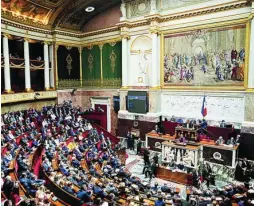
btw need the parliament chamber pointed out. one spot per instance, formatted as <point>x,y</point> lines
<point>127,102</point>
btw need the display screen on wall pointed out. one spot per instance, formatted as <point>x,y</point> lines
<point>137,102</point>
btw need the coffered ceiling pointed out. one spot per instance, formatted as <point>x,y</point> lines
<point>68,14</point>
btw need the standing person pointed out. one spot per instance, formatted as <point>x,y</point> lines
<point>146,157</point>
<point>132,141</point>
<point>139,144</point>
<point>128,137</point>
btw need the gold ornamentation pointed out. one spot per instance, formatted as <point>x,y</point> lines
<point>91,44</point>
<point>113,43</point>
<point>68,83</point>
<point>20,97</point>
<point>90,62</point>
<point>140,79</point>
<point>8,91</point>
<point>69,61</point>
<point>17,65</point>
<point>113,61</point>
<point>68,47</point>
<point>28,90</point>
<point>106,83</point>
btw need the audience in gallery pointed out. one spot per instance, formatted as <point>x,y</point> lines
<point>88,168</point>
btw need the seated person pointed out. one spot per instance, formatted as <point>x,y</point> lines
<point>68,187</point>
<point>203,124</point>
<point>173,119</point>
<point>188,124</point>
<point>223,124</point>
<point>182,139</point>
<point>237,140</point>
<point>165,188</point>
<point>157,129</point>
<point>219,141</point>
<point>231,141</point>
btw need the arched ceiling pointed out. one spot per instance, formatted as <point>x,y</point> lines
<point>67,14</point>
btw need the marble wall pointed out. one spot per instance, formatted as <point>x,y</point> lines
<point>249,107</point>
<point>220,105</point>
<point>82,98</point>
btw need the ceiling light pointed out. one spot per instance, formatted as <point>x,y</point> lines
<point>89,9</point>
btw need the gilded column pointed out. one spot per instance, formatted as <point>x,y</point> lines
<point>7,75</point>
<point>80,65</point>
<point>125,60</point>
<point>51,73</point>
<point>46,66</point>
<point>27,66</point>
<point>251,56</point>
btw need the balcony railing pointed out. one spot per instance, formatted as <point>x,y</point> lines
<point>19,63</point>
<point>92,83</point>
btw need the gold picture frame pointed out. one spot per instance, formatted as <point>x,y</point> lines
<point>242,22</point>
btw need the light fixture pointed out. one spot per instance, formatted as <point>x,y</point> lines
<point>89,9</point>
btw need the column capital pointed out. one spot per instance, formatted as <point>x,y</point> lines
<point>56,46</point>
<point>125,36</point>
<point>80,49</point>
<point>27,39</point>
<point>46,42</point>
<point>101,46</point>
<point>7,35</point>
<point>155,31</point>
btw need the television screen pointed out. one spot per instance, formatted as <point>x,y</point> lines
<point>116,100</point>
<point>137,102</point>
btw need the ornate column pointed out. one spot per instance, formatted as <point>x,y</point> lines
<point>51,72</point>
<point>251,55</point>
<point>125,60</point>
<point>101,66</point>
<point>46,66</point>
<point>7,76</point>
<point>154,74</point>
<point>56,67</point>
<point>80,65</point>
<point>27,66</point>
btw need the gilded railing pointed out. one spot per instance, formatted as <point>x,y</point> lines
<point>91,83</point>
<point>68,83</point>
<point>104,83</point>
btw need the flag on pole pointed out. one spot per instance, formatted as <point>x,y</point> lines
<point>204,107</point>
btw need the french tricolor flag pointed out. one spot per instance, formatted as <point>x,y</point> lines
<point>204,108</point>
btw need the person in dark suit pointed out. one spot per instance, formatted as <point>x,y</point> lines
<point>128,137</point>
<point>146,157</point>
<point>139,144</point>
<point>188,124</point>
<point>157,129</point>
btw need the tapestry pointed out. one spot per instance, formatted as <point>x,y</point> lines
<point>210,57</point>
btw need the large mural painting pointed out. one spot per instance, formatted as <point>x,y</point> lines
<point>205,57</point>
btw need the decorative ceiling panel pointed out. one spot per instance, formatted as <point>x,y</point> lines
<point>69,14</point>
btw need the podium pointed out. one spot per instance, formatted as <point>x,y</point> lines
<point>188,133</point>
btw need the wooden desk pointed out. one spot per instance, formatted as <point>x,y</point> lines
<point>188,133</point>
<point>166,174</point>
<point>154,141</point>
<point>219,154</point>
